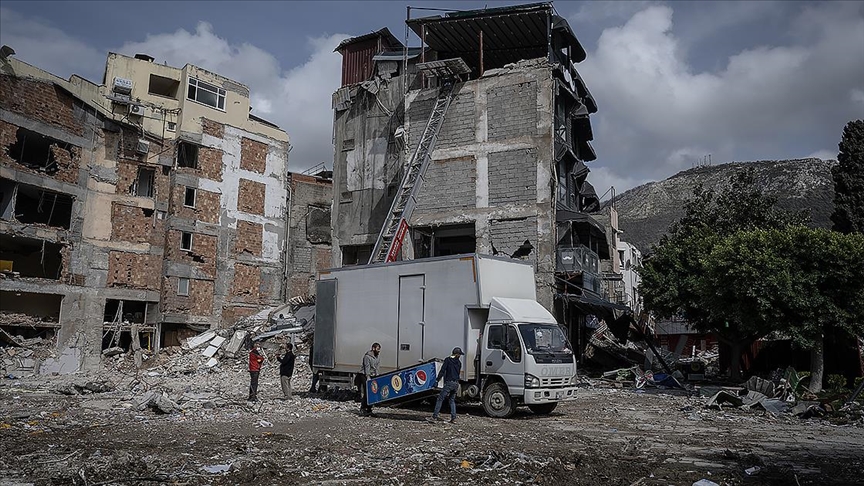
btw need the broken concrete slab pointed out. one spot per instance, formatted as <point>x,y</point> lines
<point>200,339</point>
<point>235,343</point>
<point>69,361</point>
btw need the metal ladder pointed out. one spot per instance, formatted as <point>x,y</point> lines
<point>395,226</point>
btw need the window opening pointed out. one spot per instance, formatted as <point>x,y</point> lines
<point>513,348</point>
<point>183,286</point>
<point>144,183</point>
<point>356,255</point>
<point>186,241</point>
<point>34,205</point>
<point>189,198</point>
<point>187,155</point>
<point>206,93</point>
<point>172,127</point>
<point>162,86</point>
<point>495,339</point>
<point>36,151</point>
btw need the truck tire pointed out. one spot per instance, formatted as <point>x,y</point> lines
<point>497,402</point>
<point>543,408</point>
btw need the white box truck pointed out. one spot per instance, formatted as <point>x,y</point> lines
<point>515,352</point>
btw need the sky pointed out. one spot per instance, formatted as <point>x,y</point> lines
<point>674,82</point>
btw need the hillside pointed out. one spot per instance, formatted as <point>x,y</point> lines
<point>645,212</point>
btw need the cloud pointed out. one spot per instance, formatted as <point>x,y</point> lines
<point>39,43</point>
<point>298,100</point>
<point>658,115</point>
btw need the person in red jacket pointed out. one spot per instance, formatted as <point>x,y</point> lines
<point>256,357</point>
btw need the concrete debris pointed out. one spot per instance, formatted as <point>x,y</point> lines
<point>158,401</point>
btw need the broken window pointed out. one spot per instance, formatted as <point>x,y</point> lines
<point>37,151</point>
<point>162,86</point>
<point>356,255</point>
<point>206,93</point>
<point>187,155</point>
<point>30,314</point>
<point>144,183</point>
<point>183,286</point>
<point>186,241</point>
<point>34,205</point>
<point>318,224</point>
<point>189,197</point>
<point>31,257</point>
<point>444,240</point>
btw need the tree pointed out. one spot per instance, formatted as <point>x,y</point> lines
<point>848,177</point>
<point>796,280</point>
<point>672,276</point>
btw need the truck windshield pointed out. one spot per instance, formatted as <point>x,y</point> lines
<point>544,339</point>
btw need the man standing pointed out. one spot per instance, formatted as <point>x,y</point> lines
<point>256,357</point>
<point>369,369</point>
<point>286,369</point>
<point>314,387</point>
<point>450,374</point>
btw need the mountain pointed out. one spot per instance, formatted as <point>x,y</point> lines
<point>645,212</point>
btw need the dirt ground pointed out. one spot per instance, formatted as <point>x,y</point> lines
<point>608,435</point>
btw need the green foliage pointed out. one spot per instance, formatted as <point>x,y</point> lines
<point>673,278</point>
<point>848,177</point>
<point>836,382</point>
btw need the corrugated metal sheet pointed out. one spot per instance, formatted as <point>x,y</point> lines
<point>357,61</point>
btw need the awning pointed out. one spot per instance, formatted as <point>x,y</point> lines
<point>618,317</point>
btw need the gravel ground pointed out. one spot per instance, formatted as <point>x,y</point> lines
<point>213,436</point>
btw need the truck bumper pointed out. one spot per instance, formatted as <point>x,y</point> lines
<point>546,395</point>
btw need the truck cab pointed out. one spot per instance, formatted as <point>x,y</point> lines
<point>524,359</point>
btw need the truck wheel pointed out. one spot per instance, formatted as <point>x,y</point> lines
<point>497,402</point>
<point>543,408</point>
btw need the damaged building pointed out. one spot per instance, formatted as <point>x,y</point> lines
<point>143,209</point>
<point>494,101</point>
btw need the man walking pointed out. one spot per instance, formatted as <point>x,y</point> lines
<point>256,357</point>
<point>450,374</point>
<point>286,369</point>
<point>369,369</point>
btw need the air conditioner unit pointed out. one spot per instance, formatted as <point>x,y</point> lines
<point>143,147</point>
<point>122,85</point>
<point>136,110</point>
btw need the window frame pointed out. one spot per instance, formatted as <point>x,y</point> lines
<point>168,127</point>
<point>180,281</point>
<point>196,84</point>
<point>186,197</point>
<point>183,235</point>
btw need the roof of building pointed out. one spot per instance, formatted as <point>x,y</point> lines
<point>385,33</point>
<point>510,34</point>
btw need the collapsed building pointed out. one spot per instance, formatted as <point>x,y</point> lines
<point>479,140</point>
<point>144,209</point>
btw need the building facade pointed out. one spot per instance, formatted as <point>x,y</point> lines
<point>507,175</point>
<point>153,204</point>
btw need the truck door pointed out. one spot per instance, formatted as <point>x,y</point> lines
<point>502,355</point>
<point>412,292</point>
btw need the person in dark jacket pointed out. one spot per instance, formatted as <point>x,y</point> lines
<point>286,369</point>
<point>256,357</point>
<point>314,387</point>
<point>450,374</point>
<point>369,369</point>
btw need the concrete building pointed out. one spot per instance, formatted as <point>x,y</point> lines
<point>153,203</point>
<point>508,173</point>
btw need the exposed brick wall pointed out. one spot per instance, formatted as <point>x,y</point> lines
<point>134,270</point>
<point>508,235</point>
<point>202,255</point>
<point>127,174</point>
<point>247,283</point>
<point>213,128</point>
<point>199,302</point>
<point>251,197</point>
<point>67,157</point>
<point>136,225</point>
<point>248,238</point>
<point>41,101</point>
<point>210,163</point>
<point>513,177</point>
<point>231,314</point>
<point>512,111</point>
<point>449,184</point>
<point>207,205</point>
<point>253,155</point>
<point>459,124</point>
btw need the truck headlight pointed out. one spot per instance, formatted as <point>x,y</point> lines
<point>531,381</point>
<point>573,380</point>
